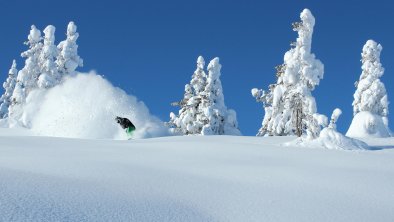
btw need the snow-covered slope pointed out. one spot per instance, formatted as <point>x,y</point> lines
<point>192,178</point>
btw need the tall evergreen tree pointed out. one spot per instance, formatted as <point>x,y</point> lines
<point>370,104</point>
<point>202,109</point>
<point>290,108</point>
<point>220,120</point>
<point>68,59</point>
<point>371,93</point>
<point>8,86</point>
<point>190,119</point>
<point>49,75</point>
<point>29,74</point>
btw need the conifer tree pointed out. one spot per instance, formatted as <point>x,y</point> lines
<point>49,75</point>
<point>371,93</point>
<point>9,86</point>
<point>370,104</point>
<point>29,74</point>
<point>202,110</point>
<point>290,108</point>
<point>27,77</point>
<point>220,120</point>
<point>190,119</point>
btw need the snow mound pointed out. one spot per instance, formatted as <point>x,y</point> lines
<point>330,139</point>
<point>85,106</point>
<point>365,124</point>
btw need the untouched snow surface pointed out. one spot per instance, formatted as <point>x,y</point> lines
<point>191,178</point>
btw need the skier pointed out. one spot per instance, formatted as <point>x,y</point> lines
<point>127,125</point>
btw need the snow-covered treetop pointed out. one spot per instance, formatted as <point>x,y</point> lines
<point>13,71</point>
<point>34,42</point>
<point>371,59</point>
<point>71,28</point>
<point>214,68</point>
<point>34,35</point>
<point>68,59</point>
<point>30,72</point>
<point>306,31</point>
<point>200,63</point>
<point>49,49</point>
<point>300,65</point>
<point>49,33</point>
<point>334,118</point>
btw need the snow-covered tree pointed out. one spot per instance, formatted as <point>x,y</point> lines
<point>49,75</point>
<point>8,86</point>
<point>68,59</point>
<point>371,94</point>
<point>290,108</point>
<point>220,120</point>
<point>190,119</point>
<point>370,105</point>
<point>202,109</point>
<point>28,75</point>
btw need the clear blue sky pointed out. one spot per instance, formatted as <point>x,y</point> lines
<point>149,48</point>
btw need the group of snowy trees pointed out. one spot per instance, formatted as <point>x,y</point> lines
<point>45,66</point>
<point>202,109</point>
<point>290,108</point>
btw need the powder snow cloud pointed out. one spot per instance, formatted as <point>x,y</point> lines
<point>84,106</point>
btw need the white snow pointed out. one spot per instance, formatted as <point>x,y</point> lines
<point>192,178</point>
<point>365,124</point>
<point>85,106</point>
<point>331,139</point>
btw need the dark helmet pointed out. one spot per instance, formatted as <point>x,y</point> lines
<point>118,119</point>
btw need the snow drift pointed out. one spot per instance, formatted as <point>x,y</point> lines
<point>330,139</point>
<point>366,124</point>
<point>85,106</point>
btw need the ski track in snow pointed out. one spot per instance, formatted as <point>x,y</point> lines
<point>191,178</point>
